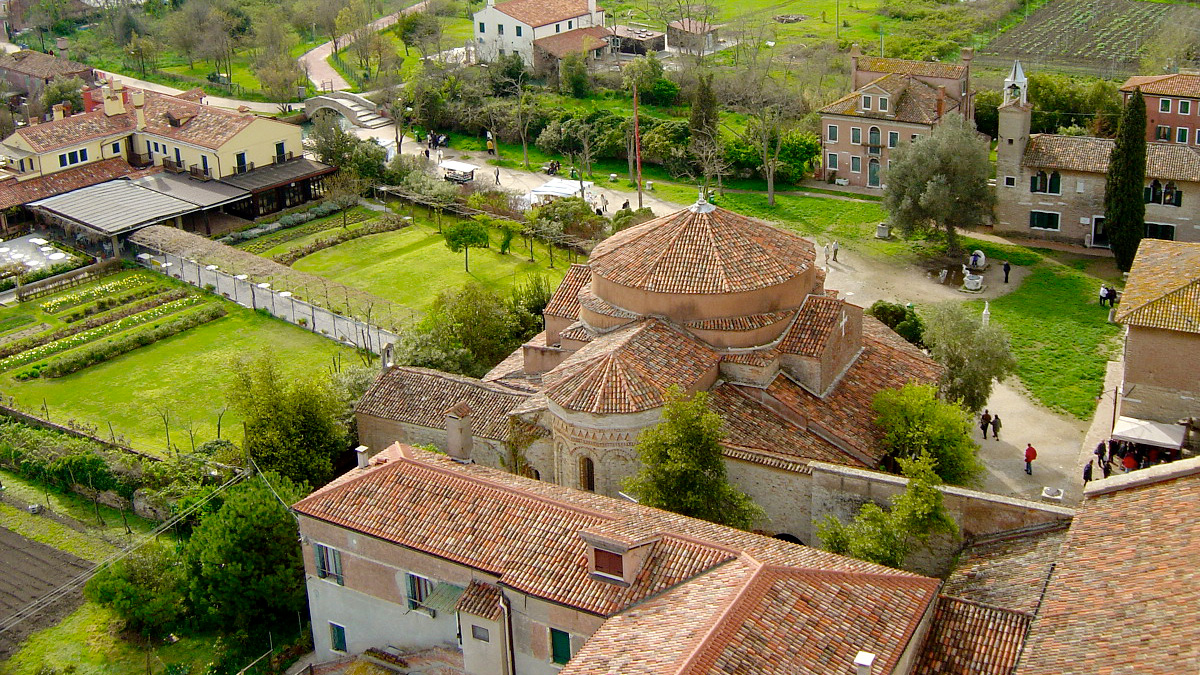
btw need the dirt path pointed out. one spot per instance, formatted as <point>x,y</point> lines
<point>324,76</point>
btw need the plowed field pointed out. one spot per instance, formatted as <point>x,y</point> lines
<point>29,570</point>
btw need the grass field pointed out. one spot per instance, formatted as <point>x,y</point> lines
<point>411,266</point>
<point>185,375</point>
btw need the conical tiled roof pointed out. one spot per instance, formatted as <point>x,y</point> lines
<point>702,249</point>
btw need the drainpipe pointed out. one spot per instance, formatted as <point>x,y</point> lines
<point>512,657</point>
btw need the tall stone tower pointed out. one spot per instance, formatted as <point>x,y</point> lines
<point>1014,121</point>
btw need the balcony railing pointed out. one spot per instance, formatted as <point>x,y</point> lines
<point>280,159</point>
<point>243,168</point>
<point>140,159</point>
<point>173,166</point>
<point>200,172</point>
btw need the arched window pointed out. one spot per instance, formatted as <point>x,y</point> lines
<point>1172,196</point>
<point>587,474</point>
<point>1055,186</point>
<point>1039,182</point>
<point>1154,192</point>
<point>873,142</point>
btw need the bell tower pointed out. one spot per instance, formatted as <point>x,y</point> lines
<point>1014,121</point>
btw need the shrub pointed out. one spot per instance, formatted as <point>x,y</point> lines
<point>104,304</point>
<point>901,318</point>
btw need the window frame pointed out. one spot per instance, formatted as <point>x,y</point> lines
<point>1164,105</point>
<point>1057,220</point>
<point>328,561</point>
<point>1185,107</point>
<point>116,148</point>
<point>831,162</point>
<point>587,474</point>
<point>855,135</point>
<point>882,104</point>
<point>893,139</point>
<point>831,133</point>
<point>613,566</point>
<point>499,29</point>
<point>1160,228</point>
<point>1182,134</point>
<point>855,160</point>
<point>417,592</point>
<point>1010,181</point>
<point>866,101</point>
<point>1162,132</point>
<point>477,631</point>
<point>557,637</point>
<point>519,31</point>
<point>336,630</point>
<point>482,28</point>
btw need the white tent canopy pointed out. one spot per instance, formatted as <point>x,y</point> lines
<point>560,187</point>
<point>455,165</point>
<point>1149,433</point>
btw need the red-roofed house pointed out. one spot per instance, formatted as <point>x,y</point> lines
<point>703,299</point>
<point>1172,105</point>
<point>1052,187</point>
<point>512,27</point>
<point>415,550</point>
<point>894,101</point>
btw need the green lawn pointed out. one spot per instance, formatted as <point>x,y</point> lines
<point>186,375</point>
<point>411,266</point>
<point>89,641</point>
<point>78,507</point>
<point>54,534</point>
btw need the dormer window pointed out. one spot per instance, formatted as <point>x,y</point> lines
<point>866,102</point>
<point>883,104</point>
<point>610,564</point>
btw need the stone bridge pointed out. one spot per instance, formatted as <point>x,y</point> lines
<point>359,110</point>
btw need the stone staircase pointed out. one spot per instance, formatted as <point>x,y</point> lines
<point>366,118</point>
<point>360,111</point>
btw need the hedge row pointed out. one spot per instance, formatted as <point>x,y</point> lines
<point>44,273</point>
<point>387,223</point>
<point>93,292</point>
<point>290,220</point>
<point>264,244</point>
<point>82,358</point>
<point>59,459</point>
<point>85,325</point>
<point>105,304</point>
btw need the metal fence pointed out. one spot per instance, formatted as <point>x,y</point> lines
<point>277,302</point>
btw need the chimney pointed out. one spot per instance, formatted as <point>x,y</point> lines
<point>863,663</point>
<point>364,459</point>
<point>138,98</point>
<point>113,102</point>
<point>60,47</point>
<point>459,439</point>
<point>855,53</point>
<point>591,9</point>
<point>60,110</point>
<point>941,101</point>
<point>968,98</point>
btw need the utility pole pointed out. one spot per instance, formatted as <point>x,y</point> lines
<point>637,142</point>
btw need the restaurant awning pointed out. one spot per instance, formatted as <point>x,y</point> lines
<point>1149,433</point>
<point>561,187</point>
<point>455,165</point>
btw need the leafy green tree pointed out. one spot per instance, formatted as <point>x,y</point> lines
<point>887,537</point>
<point>465,235</point>
<point>64,90</point>
<point>915,422</point>
<point>572,216</point>
<point>940,182</point>
<point>328,141</point>
<point>705,115</point>
<point>467,331</point>
<point>146,589</point>
<point>901,318</point>
<point>573,75</point>
<point>683,465</point>
<point>244,564</point>
<point>973,355</point>
<point>506,73</point>
<point>291,425</point>
<point>1124,203</point>
<point>987,112</point>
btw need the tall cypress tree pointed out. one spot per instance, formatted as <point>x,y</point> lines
<point>703,121</point>
<point>1124,205</point>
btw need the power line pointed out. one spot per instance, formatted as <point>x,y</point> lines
<point>37,606</point>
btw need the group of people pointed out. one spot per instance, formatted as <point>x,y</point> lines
<point>1128,456</point>
<point>553,167</point>
<point>831,248</point>
<point>989,421</point>
<point>1108,295</point>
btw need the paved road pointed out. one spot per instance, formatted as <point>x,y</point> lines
<point>314,62</point>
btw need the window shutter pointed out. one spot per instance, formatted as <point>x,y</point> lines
<point>1146,194</point>
<point>1055,183</point>
<point>322,568</point>
<point>1033,183</point>
<point>1178,198</point>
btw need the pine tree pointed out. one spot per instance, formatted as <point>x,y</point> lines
<point>1124,205</point>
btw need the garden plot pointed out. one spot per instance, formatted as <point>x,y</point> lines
<point>33,569</point>
<point>1100,36</point>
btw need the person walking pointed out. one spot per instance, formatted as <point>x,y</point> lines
<point>985,421</point>
<point>491,147</point>
<point>604,203</point>
<point>1030,455</point>
<point>835,250</point>
<point>1103,295</point>
<point>995,427</point>
<point>1099,452</point>
<point>827,252</point>
<point>497,175</point>
<point>1087,473</point>
<point>440,156</point>
<point>1007,269</point>
<point>1106,468</point>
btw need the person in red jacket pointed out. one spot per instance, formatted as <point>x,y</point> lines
<point>1129,462</point>
<point>1030,455</point>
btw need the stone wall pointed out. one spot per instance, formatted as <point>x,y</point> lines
<point>840,491</point>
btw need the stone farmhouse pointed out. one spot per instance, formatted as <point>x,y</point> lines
<point>1161,313</point>
<point>28,72</point>
<point>213,162</point>
<point>541,31</point>
<point>894,101</point>
<point>704,299</point>
<point>1117,591</point>
<point>414,550</point>
<point>1052,187</point>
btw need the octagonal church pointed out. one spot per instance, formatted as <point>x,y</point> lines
<point>704,299</point>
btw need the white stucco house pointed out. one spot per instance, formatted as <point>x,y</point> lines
<point>516,26</point>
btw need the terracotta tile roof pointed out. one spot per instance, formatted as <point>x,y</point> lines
<point>15,193</point>
<point>481,600</point>
<point>577,331</point>
<point>887,361</point>
<point>1163,290</point>
<point>969,638</point>
<point>42,66</point>
<point>528,534</point>
<point>766,436</point>
<point>573,41</point>
<point>875,64</point>
<point>1168,161</point>
<point>912,101</point>
<point>75,130</point>
<point>1125,594</point>
<point>742,323</point>
<point>541,12</point>
<point>511,371</point>
<point>565,301</point>
<point>592,302</point>
<point>629,369</point>
<point>420,396</point>
<point>1174,84</point>
<point>817,318</point>
<point>752,358</point>
<point>698,251</point>
<point>1008,569</point>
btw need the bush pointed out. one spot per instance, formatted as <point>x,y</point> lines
<point>105,304</point>
<point>386,223</point>
<point>901,318</point>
